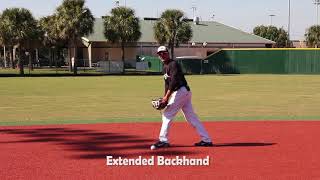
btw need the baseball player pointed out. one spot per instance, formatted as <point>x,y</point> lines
<point>177,96</point>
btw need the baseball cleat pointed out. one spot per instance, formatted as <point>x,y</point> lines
<point>159,144</point>
<point>204,144</point>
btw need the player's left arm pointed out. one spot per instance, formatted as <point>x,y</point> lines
<point>167,96</point>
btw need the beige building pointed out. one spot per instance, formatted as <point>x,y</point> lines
<point>299,44</point>
<point>208,37</point>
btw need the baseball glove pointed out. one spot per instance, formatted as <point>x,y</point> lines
<point>158,104</point>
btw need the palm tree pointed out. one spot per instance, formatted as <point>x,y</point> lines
<point>49,33</point>
<point>20,28</point>
<point>49,30</point>
<point>172,30</point>
<point>313,36</point>
<point>122,27</point>
<point>74,21</point>
<point>50,38</point>
<point>32,42</point>
<point>5,38</point>
<point>2,33</point>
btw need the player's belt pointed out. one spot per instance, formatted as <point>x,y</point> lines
<point>187,87</point>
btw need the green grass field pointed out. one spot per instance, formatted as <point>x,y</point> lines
<point>45,71</point>
<point>56,100</point>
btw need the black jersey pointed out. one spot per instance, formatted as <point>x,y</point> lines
<point>173,76</point>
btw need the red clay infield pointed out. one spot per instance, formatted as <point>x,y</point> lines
<point>243,150</point>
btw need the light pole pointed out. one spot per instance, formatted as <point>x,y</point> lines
<point>271,16</point>
<point>289,23</point>
<point>194,8</point>
<point>317,3</point>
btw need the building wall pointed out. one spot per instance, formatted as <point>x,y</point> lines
<point>104,54</point>
<point>114,54</point>
<point>299,44</point>
<point>102,51</point>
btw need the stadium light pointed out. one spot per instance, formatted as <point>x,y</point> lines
<point>117,3</point>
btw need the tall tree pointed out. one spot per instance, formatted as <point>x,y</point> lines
<point>51,39</point>
<point>20,28</point>
<point>74,21</point>
<point>172,30</point>
<point>313,36</point>
<point>122,27</point>
<point>6,38</point>
<point>3,36</point>
<point>278,35</point>
<point>33,41</point>
<point>48,26</point>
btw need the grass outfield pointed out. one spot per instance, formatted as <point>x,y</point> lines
<point>62,100</point>
<point>46,71</point>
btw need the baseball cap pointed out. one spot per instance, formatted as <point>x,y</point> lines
<point>162,49</point>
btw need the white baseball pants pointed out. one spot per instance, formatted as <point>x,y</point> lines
<point>181,99</point>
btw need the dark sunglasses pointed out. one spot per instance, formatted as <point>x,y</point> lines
<point>162,52</point>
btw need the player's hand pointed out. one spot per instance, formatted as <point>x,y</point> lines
<point>158,104</point>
